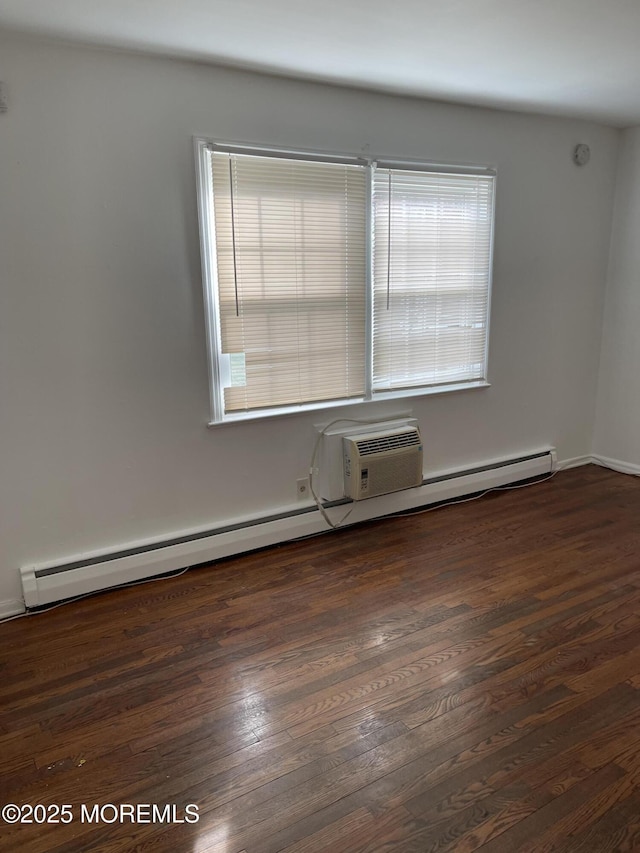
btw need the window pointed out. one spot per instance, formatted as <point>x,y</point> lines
<point>335,280</point>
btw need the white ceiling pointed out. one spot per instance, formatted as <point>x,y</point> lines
<point>571,57</point>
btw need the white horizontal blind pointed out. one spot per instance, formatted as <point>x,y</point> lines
<point>431,277</point>
<point>291,278</point>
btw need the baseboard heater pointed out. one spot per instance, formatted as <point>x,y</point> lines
<point>51,582</point>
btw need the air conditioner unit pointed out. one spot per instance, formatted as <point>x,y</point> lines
<point>376,463</point>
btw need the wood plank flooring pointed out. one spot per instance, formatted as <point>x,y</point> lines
<point>465,679</point>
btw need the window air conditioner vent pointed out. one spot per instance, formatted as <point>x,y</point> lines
<point>394,441</point>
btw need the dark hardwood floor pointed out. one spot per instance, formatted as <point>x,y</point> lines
<point>465,679</point>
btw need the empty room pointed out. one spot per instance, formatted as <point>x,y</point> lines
<point>319,427</point>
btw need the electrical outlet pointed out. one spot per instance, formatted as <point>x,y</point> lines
<point>302,487</point>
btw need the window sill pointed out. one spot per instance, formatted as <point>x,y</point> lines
<point>244,417</point>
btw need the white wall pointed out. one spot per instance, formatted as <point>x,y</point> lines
<point>617,433</point>
<point>103,379</point>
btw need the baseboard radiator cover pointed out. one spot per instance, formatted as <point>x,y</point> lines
<point>46,583</point>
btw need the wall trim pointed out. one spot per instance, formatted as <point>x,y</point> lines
<point>616,465</point>
<point>574,462</point>
<point>11,607</point>
<point>602,461</point>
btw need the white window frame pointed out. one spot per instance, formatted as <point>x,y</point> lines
<point>203,146</point>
